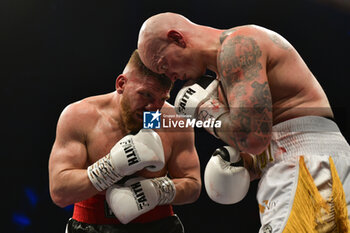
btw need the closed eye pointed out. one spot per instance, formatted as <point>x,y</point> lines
<point>162,65</point>
<point>145,94</point>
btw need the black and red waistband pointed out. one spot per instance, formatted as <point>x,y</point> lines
<point>95,211</point>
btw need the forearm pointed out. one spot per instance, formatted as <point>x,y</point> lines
<point>187,190</point>
<point>243,131</point>
<point>71,186</point>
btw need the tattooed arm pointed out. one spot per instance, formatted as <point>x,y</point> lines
<point>242,70</point>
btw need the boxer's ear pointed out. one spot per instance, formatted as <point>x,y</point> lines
<point>120,83</point>
<point>177,38</point>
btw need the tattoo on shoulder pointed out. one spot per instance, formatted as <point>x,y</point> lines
<point>239,58</point>
<point>226,33</point>
<point>280,42</point>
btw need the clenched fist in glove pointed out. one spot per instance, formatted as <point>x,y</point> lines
<point>129,155</point>
<point>138,196</point>
<point>224,182</point>
<point>200,101</point>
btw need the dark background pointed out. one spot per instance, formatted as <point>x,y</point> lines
<point>55,52</point>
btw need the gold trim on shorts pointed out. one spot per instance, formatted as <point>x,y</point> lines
<point>310,212</point>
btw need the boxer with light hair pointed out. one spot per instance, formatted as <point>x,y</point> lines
<point>273,113</point>
<point>119,176</point>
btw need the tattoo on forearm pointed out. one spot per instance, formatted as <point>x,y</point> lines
<point>256,120</point>
<point>263,106</point>
<point>261,96</point>
<point>280,42</point>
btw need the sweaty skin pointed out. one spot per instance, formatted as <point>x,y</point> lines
<point>264,79</point>
<point>266,82</point>
<point>88,129</point>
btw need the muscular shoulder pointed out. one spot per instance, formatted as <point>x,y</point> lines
<point>244,40</point>
<point>241,54</point>
<point>80,110</point>
<point>254,34</point>
<point>248,47</point>
<point>246,30</point>
<point>260,34</point>
<point>77,117</point>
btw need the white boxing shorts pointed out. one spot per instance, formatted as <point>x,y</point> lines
<point>305,180</point>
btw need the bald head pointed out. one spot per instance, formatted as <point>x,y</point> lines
<point>157,32</point>
<point>171,44</point>
<point>157,26</point>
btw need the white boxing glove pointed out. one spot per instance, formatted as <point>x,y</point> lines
<point>225,183</point>
<point>129,155</point>
<point>199,101</point>
<point>139,196</point>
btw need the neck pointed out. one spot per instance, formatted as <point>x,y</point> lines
<point>209,45</point>
<point>115,111</point>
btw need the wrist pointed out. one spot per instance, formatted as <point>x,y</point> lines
<point>102,173</point>
<point>212,110</point>
<point>165,188</point>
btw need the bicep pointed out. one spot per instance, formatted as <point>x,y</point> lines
<point>69,150</point>
<point>67,156</point>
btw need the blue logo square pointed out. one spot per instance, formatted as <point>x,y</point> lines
<point>151,120</point>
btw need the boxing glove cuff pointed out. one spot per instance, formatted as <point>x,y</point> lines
<point>102,173</point>
<point>166,190</point>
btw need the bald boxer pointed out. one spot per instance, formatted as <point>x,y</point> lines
<point>269,104</point>
<point>120,177</point>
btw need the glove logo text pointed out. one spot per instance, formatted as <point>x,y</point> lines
<point>130,152</point>
<point>185,97</point>
<point>139,196</point>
